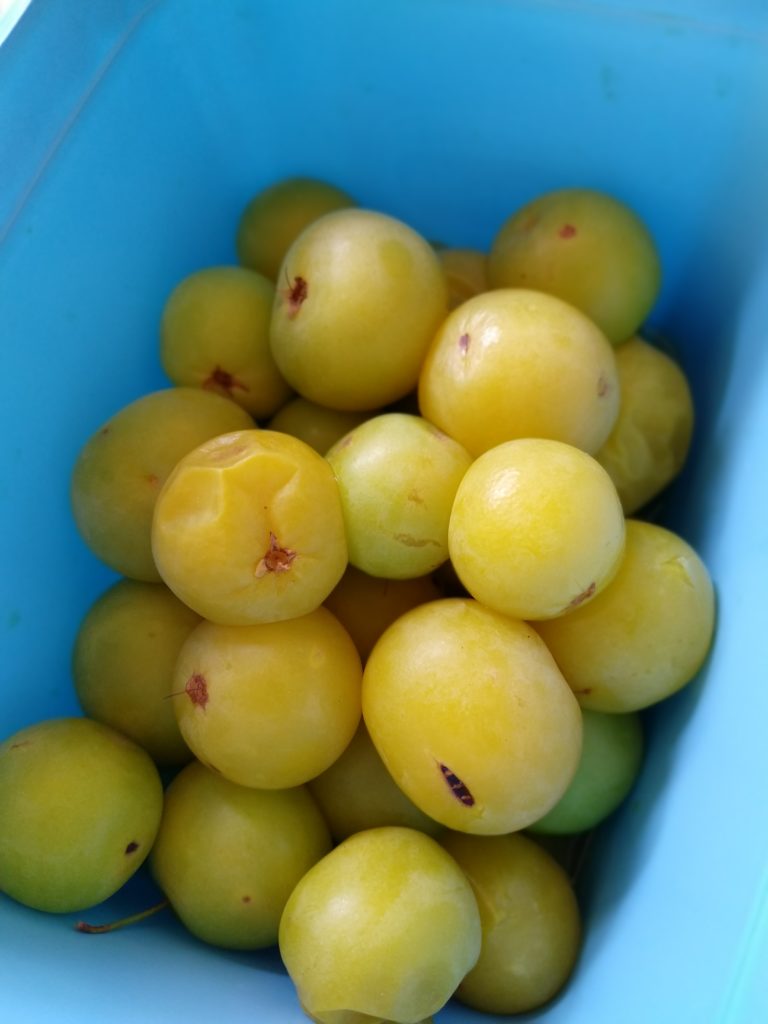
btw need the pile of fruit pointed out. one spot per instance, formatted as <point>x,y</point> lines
<point>388,613</point>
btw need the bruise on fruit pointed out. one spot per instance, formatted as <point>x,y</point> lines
<point>197,690</point>
<point>464,341</point>
<point>583,596</point>
<point>567,231</point>
<point>456,786</point>
<point>132,847</point>
<point>277,559</point>
<point>413,495</point>
<point>603,387</point>
<point>221,378</point>
<point>295,294</point>
<point>415,542</point>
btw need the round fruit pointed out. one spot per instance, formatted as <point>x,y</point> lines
<point>80,806</point>
<point>359,298</point>
<point>536,529</point>
<point>314,424</point>
<point>121,468</point>
<point>471,716</point>
<point>384,926</point>
<point>466,273</point>
<point>516,363</point>
<point>249,528</point>
<point>587,248</point>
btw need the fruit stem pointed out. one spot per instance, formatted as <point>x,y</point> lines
<point>112,926</point>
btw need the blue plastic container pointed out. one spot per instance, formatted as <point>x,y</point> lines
<point>131,136</point>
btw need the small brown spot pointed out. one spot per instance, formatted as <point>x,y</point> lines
<point>152,479</point>
<point>583,693</point>
<point>132,847</point>
<point>413,495</point>
<point>583,596</point>
<point>456,786</point>
<point>104,430</point>
<point>464,344</point>
<point>277,559</point>
<point>21,743</point>
<point>295,295</point>
<point>603,387</point>
<point>197,690</point>
<point>567,231</point>
<point>246,899</point>
<point>224,380</point>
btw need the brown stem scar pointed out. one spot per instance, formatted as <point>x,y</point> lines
<point>295,294</point>
<point>277,559</point>
<point>567,231</point>
<point>221,378</point>
<point>456,786</point>
<point>583,596</point>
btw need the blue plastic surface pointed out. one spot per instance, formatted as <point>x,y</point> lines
<point>131,136</point>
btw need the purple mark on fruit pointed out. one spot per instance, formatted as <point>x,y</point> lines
<point>583,596</point>
<point>295,295</point>
<point>464,344</point>
<point>567,231</point>
<point>277,559</point>
<point>221,378</point>
<point>132,847</point>
<point>197,690</point>
<point>456,786</point>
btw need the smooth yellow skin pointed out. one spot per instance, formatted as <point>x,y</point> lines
<point>277,215</point>
<point>455,684</point>
<point>123,661</point>
<point>518,363</point>
<point>122,467</point>
<point>228,857</point>
<point>314,424</point>
<point>375,295</point>
<point>214,333</point>
<point>397,477</point>
<point>536,529</point>
<point>647,634</point>
<point>281,700</point>
<point>75,796</point>
<point>586,247</point>
<point>650,440</point>
<point>466,274</point>
<point>357,792</point>
<point>385,925</point>
<point>249,528</point>
<point>365,605</point>
<point>530,919</point>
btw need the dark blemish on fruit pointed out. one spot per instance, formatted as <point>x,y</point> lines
<point>132,847</point>
<point>223,379</point>
<point>583,693</point>
<point>464,344</point>
<point>567,231</point>
<point>21,743</point>
<point>413,495</point>
<point>104,430</point>
<point>583,596</point>
<point>603,386</point>
<point>295,295</point>
<point>197,690</point>
<point>415,542</point>
<point>277,559</point>
<point>456,786</point>
<point>152,479</point>
<point>246,899</point>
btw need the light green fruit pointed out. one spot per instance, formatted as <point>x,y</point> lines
<point>228,857</point>
<point>80,806</point>
<point>586,247</point>
<point>123,660</point>
<point>611,756</point>
<point>214,334</point>
<point>359,298</point>
<point>471,716</point>
<point>397,477</point>
<point>278,214</point>
<point>530,921</point>
<point>385,926</point>
<point>647,634</point>
<point>536,529</point>
<point>317,426</point>
<point>357,792</point>
<point>649,443</point>
<point>122,467</point>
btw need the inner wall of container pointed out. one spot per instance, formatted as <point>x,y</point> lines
<point>449,115</point>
